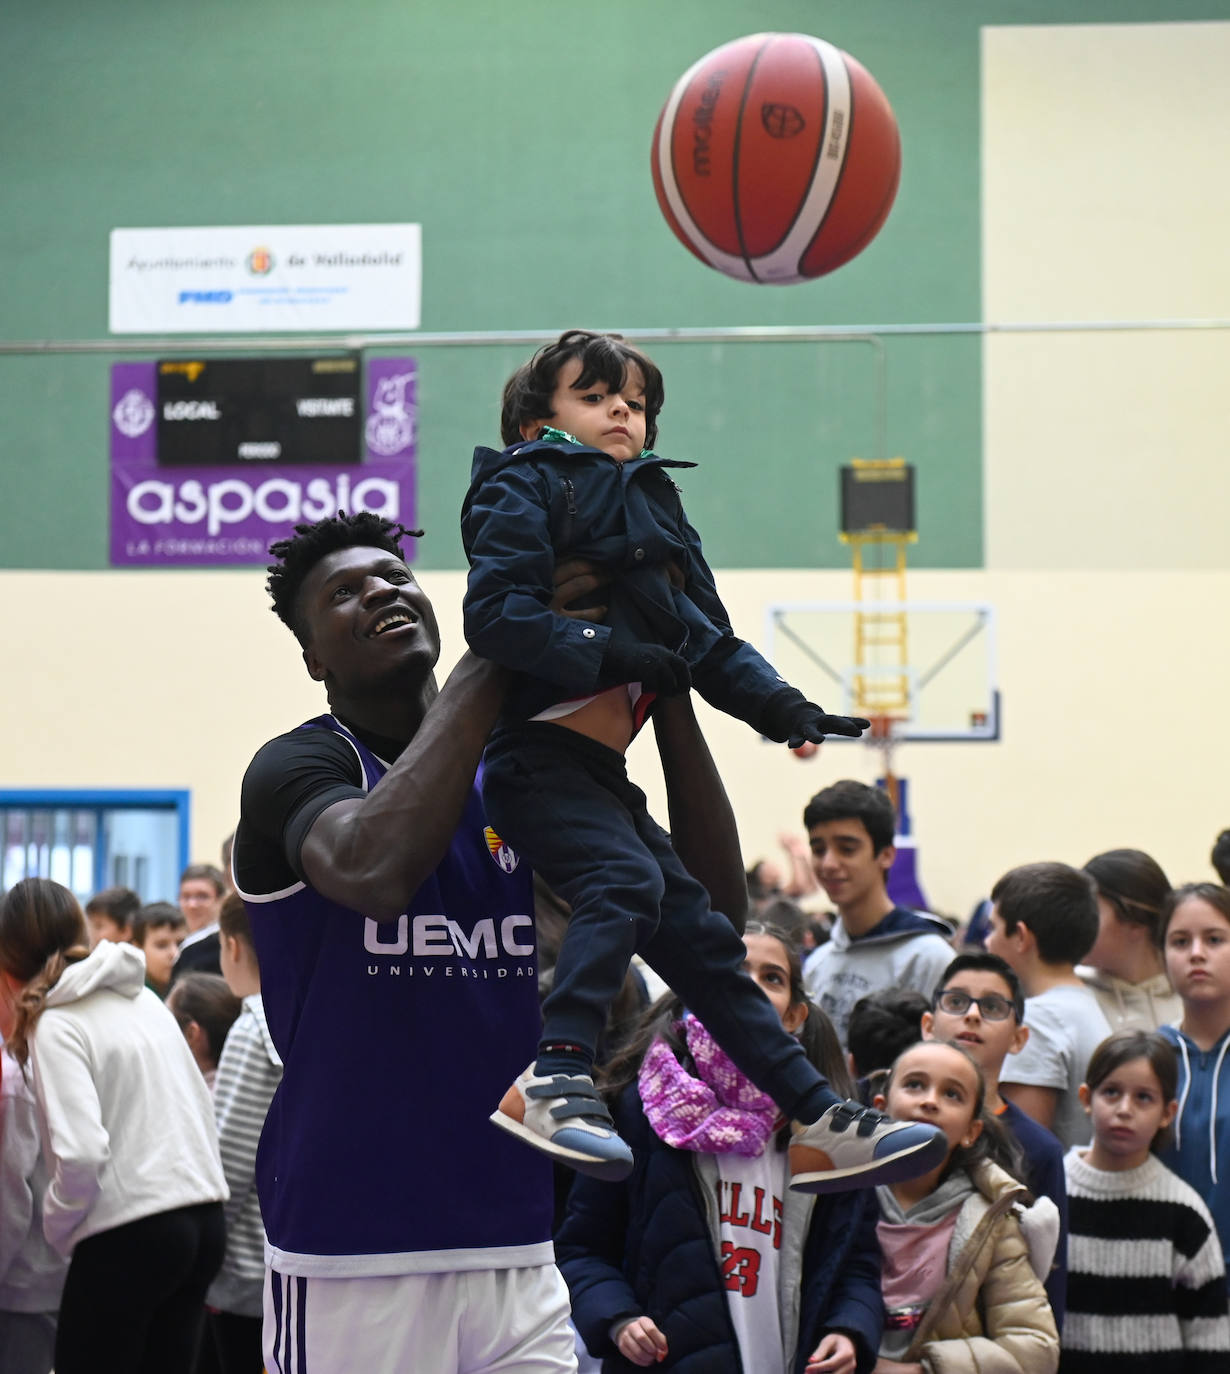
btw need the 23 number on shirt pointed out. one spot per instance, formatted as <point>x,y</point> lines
<point>740,1269</point>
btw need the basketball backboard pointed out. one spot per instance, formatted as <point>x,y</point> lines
<point>929,664</point>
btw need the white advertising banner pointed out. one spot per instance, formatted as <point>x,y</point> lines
<point>313,278</point>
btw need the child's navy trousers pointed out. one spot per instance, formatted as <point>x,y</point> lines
<point>565,804</point>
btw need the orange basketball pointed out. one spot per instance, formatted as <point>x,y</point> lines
<point>776,158</point>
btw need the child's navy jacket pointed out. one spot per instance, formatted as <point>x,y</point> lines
<point>538,502</point>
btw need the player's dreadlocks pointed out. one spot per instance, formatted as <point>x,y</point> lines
<point>299,555</point>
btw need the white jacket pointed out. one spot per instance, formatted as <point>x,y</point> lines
<point>129,1126</point>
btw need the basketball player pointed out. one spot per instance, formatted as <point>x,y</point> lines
<point>578,480</point>
<point>398,970</point>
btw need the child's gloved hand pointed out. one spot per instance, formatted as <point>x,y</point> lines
<point>798,722</point>
<point>655,668</point>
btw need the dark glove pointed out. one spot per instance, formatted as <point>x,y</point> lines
<point>798,722</point>
<point>655,668</point>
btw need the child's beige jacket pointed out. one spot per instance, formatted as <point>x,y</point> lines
<point>991,1316</point>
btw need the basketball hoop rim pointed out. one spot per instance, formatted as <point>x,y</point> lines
<point>882,733</point>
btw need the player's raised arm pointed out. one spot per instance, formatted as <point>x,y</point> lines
<point>702,820</point>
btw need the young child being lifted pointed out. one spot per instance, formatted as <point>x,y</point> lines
<point>579,479</point>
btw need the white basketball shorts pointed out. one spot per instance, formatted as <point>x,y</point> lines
<point>480,1321</point>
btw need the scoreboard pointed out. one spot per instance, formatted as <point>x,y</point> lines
<point>234,412</point>
<point>877,496</point>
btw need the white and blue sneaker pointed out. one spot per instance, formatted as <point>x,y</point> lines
<point>564,1117</point>
<point>853,1146</point>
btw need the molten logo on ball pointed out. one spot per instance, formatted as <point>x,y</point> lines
<point>781,121</point>
<point>702,123</point>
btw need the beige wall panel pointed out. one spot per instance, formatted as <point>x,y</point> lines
<point>147,679</point>
<point>1103,199</point>
<point>1104,193</point>
<point>1107,450</point>
<point>1112,682</point>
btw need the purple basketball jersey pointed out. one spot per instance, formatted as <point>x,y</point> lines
<point>398,1041</point>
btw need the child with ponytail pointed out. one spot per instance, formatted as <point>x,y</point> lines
<point>963,1247</point>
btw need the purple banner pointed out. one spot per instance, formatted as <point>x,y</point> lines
<point>229,515</point>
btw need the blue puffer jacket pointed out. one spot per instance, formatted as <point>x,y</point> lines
<point>539,502</point>
<point>645,1247</point>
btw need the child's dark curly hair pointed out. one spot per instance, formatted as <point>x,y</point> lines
<point>530,391</point>
<point>297,556</point>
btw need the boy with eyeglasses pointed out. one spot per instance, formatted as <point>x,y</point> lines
<point>979,1004</point>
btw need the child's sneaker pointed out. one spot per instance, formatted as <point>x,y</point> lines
<point>853,1146</point>
<point>564,1117</point>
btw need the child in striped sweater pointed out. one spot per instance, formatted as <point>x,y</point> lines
<point>249,1072</point>
<point>1146,1284</point>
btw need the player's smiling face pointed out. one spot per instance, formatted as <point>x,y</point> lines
<point>610,420</point>
<point>365,619</point>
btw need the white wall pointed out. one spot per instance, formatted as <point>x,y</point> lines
<point>1104,199</point>
<point>1112,682</point>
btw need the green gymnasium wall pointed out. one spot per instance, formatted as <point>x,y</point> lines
<point>517,134</point>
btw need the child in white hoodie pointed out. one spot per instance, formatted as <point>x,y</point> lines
<point>136,1185</point>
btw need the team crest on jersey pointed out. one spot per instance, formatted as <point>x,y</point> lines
<point>500,852</point>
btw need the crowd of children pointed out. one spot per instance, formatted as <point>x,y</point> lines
<point>1080,1215</point>
<point>130,1233</point>
<point>134,1192</point>
<point>1077,1220</point>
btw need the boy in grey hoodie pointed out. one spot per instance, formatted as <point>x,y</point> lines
<point>874,944</point>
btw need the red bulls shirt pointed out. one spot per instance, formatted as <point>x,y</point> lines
<point>750,1195</point>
